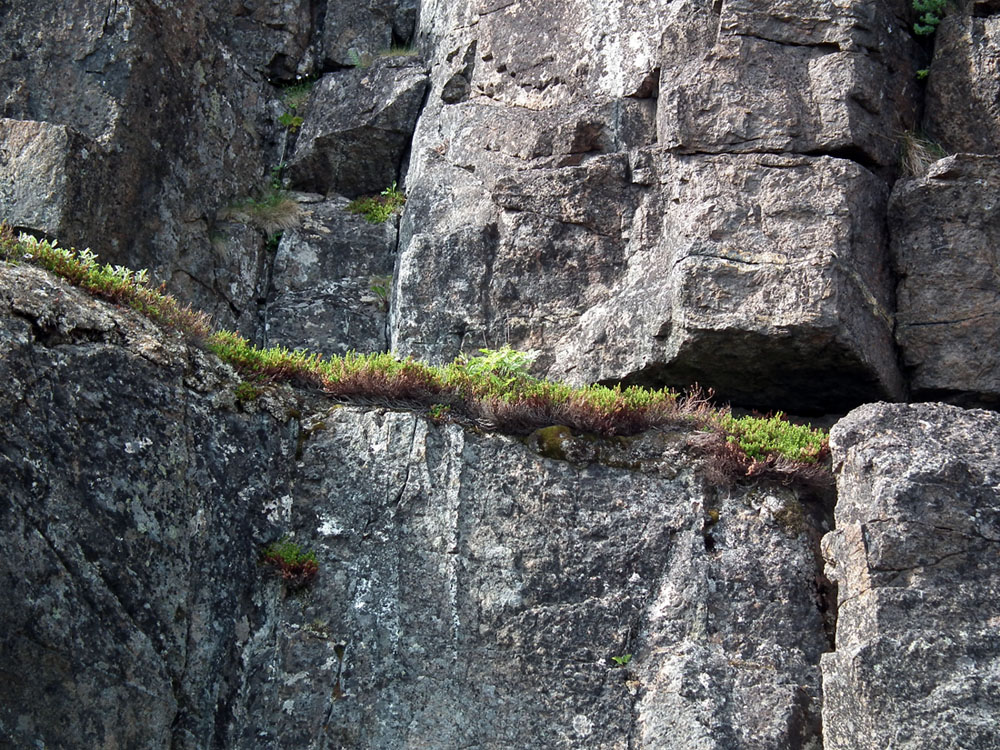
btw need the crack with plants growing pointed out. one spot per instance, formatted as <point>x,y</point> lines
<point>493,390</point>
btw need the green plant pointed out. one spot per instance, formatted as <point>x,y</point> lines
<point>492,390</point>
<point>246,391</point>
<point>501,367</point>
<point>290,121</point>
<point>295,96</point>
<point>297,567</point>
<point>379,208</point>
<point>439,412</point>
<point>381,287</point>
<point>359,59</point>
<point>114,283</point>
<point>622,660</point>
<point>930,14</point>
<point>923,73</point>
<point>761,438</point>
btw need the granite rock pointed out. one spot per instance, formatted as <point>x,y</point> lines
<point>914,555</point>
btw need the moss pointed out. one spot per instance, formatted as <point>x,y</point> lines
<point>791,517</point>
<point>551,441</point>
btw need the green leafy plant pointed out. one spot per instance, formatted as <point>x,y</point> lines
<point>379,208</point>
<point>297,567</point>
<point>923,73</point>
<point>291,121</point>
<point>622,660</point>
<point>381,287</point>
<point>930,14</point>
<point>501,367</point>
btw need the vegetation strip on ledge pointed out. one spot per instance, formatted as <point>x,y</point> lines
<point>494,389</point>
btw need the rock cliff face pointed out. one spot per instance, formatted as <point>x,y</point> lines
<point>652,192</point>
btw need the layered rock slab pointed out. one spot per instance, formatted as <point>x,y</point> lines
<point>945,240</point>
<point>915,559</point>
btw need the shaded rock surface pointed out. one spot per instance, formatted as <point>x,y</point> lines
<point>945,244</point>
<point>331,282</point>
<point>915,559</point>
<point>471,591</point>
<point>352,150</point>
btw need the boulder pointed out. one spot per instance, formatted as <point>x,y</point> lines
<point>945,241</point>
<point>800,78</point>
<point>347,33</point>
<point>331,282</point>
<point>764,277</point>
<point>914,555</point>
<point>358,127</point>
<point>962,111</point>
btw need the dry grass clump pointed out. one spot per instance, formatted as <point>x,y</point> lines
<point>273,212</point>
<point>917,153</point>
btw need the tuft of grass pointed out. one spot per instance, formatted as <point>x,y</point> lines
<point>294,97</point>
<point>379,208</point>
<point>399,50</point>
<point>297,567</point>
<point>274,211</point>
<point>493,389</point>
<point>917,153</point>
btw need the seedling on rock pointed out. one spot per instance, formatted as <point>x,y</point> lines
<point>297,567</point>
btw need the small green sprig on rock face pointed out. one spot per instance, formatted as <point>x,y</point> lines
<point>298,567</point>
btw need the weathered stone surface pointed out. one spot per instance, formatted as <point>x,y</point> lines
<point>180,116</point>
<point>764,277</point>
<point>350,149</point>
<point>353,32</point>
<point>471,591</point>
<point>331,282</point>
<point>134,506</point>
<point>553,207</point>
<point>963,107</point>
<point>945,245</point>
<point>799,78</point>
<point>915,558</point>
<point>48,177</point>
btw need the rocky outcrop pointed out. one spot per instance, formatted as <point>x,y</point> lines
<point>945,240</point>
<point>915,559</point>
<point>352,150</point>
<point>472,591</point>
<point>636,256</point>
